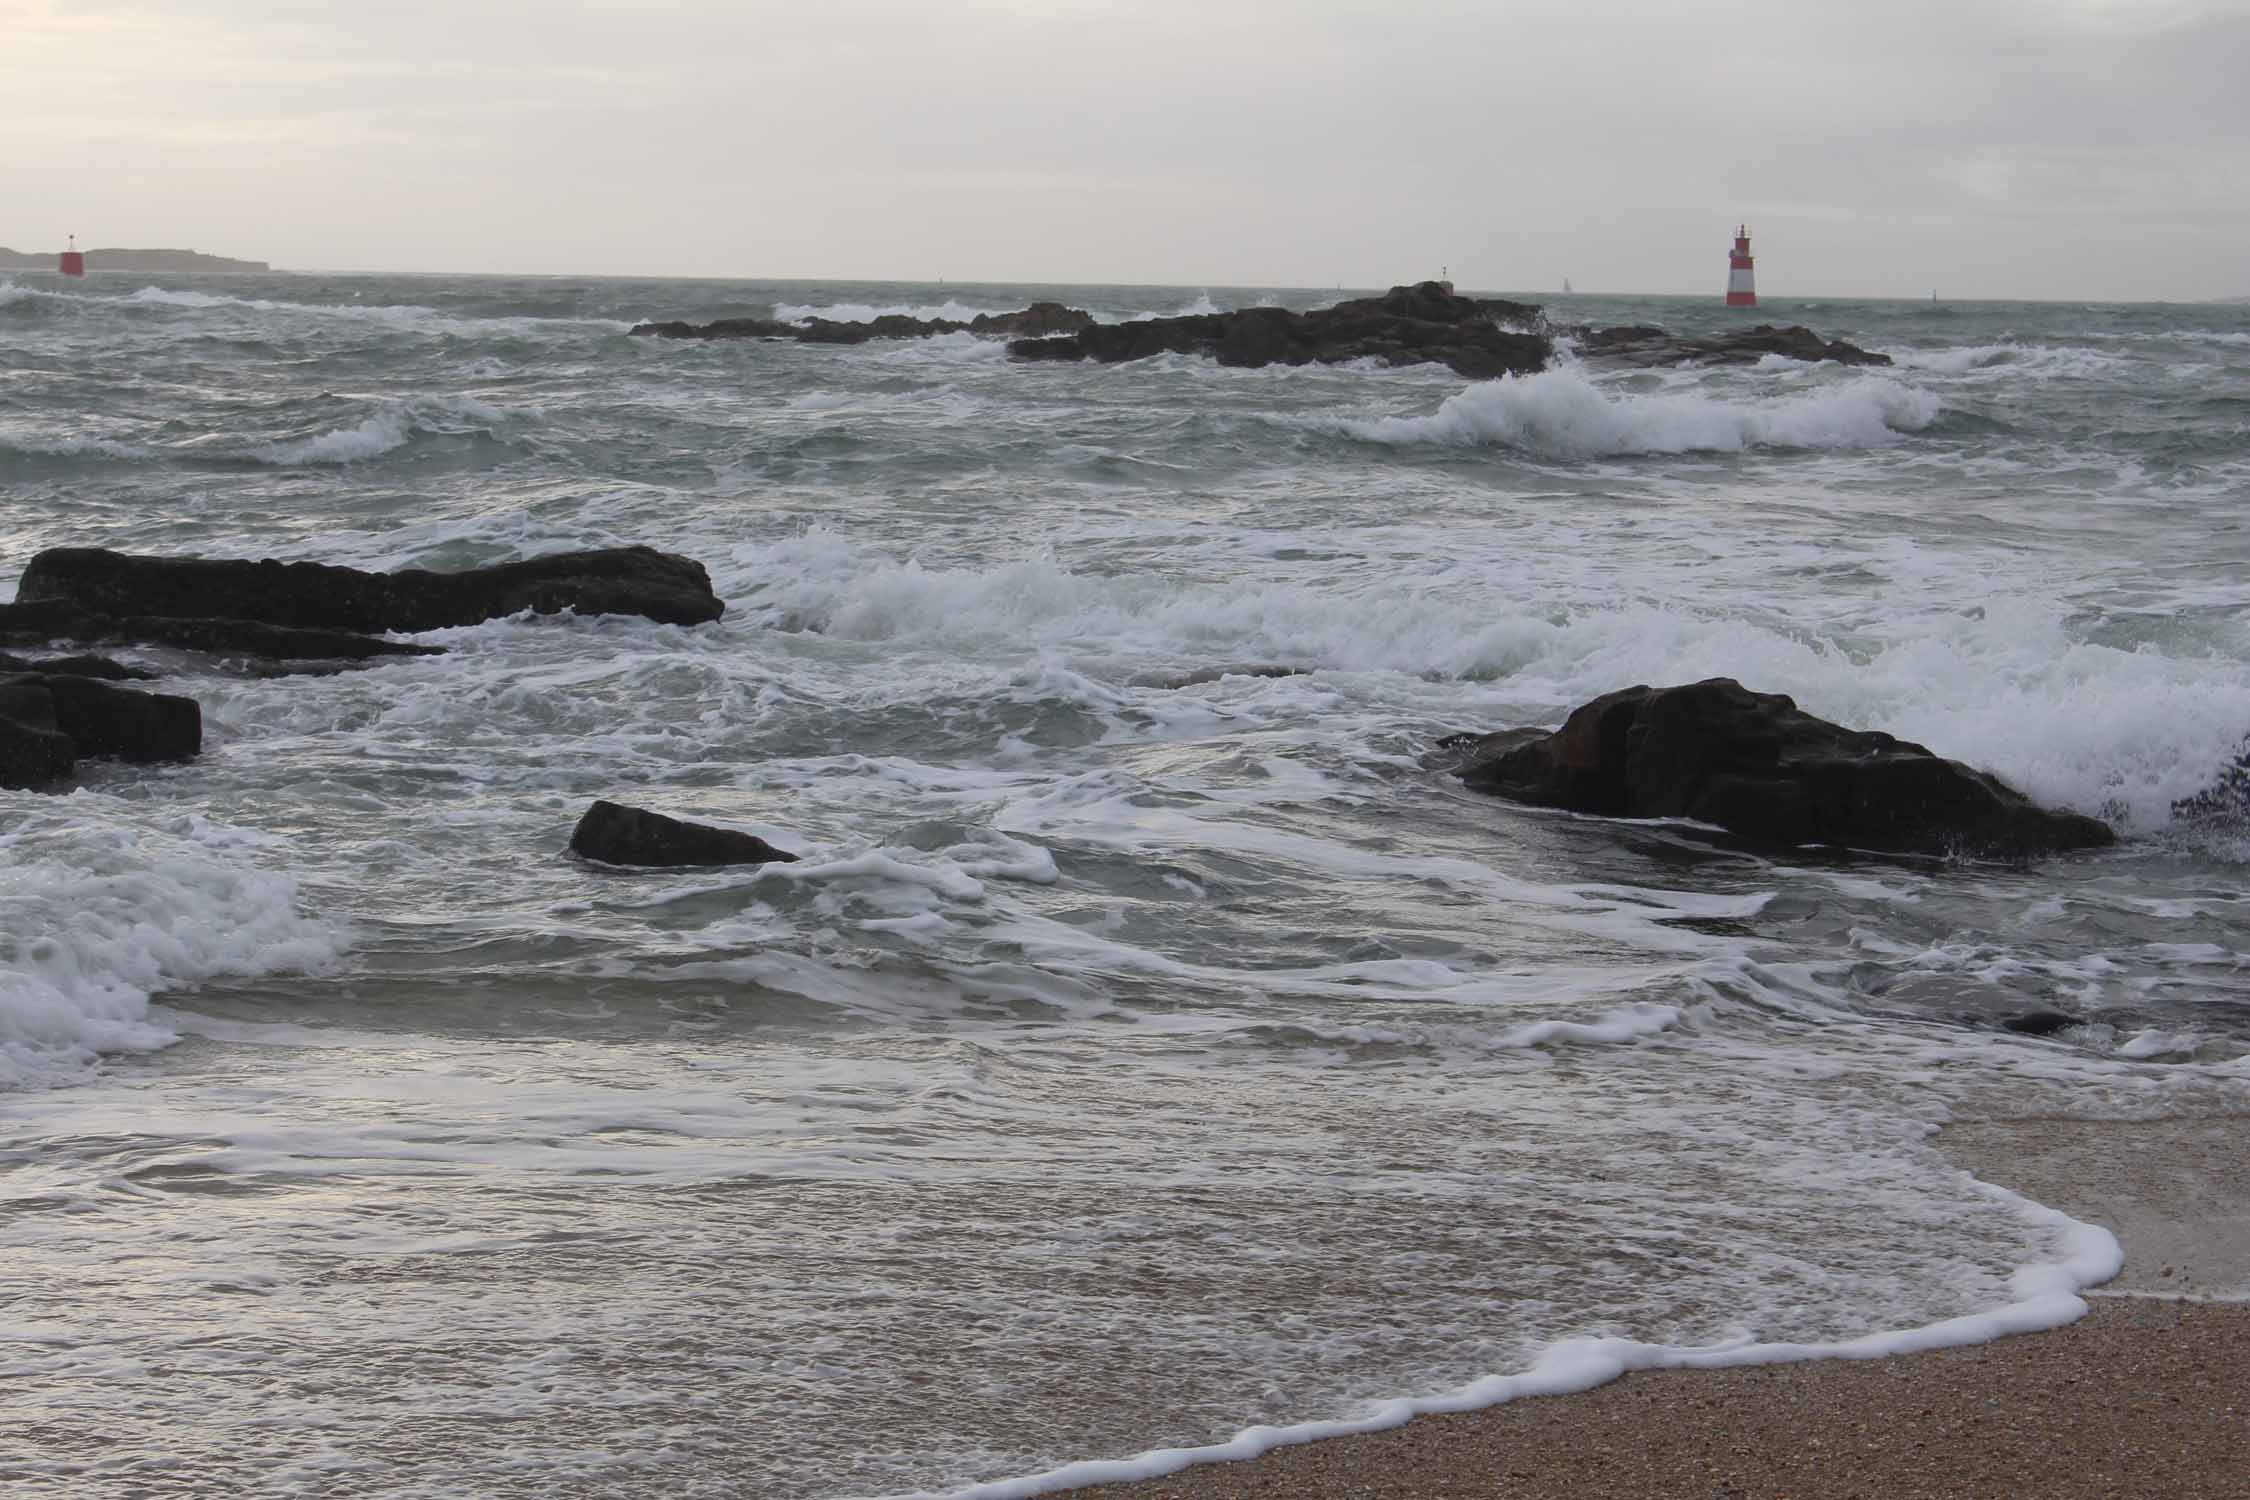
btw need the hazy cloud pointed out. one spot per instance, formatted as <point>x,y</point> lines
<point>1984,147</point>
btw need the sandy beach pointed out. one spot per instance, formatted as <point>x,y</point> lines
<point>2149,1395</point>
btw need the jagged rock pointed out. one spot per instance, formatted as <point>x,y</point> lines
<point>48,721</point>
<point>38,623</point>
<point>1760,767</point>
<point>316,596</point>
<point>620,835</point>
<point>1645,345</point>
<point>1037,320</point>
<point>1421,324</point>
<point>2225,800</point>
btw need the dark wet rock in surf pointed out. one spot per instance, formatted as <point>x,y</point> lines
<point>618,835</point>
<point>34,753</point>
<point>1036,321</point>
<point>2041,1022</point>
<point>661,586</point>
<point>77,666</point>
<point>1426,323</point>
<point>48,620</point>
<point>2225,801</point>
<point>1645,345</point>
<point>49,721</point>
<point>1762,768</point>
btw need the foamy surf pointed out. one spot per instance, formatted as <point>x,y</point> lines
<point>1564,414</point>
<point>1149,1044</point>
<point>97,916</point>
<point>2046,1298</point>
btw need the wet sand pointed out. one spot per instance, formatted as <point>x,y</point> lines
<point>2149,1395</point>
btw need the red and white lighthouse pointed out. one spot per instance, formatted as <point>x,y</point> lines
<point>1742,282</point>
<point>72,261</point>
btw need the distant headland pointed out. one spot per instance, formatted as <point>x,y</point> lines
<point>113,259</point>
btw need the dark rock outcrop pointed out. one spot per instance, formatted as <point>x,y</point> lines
<point>33,751</point>
<point>1760,767</point>
<point>38,623</point>
<point>1421,324</point>
<point>316,596</point>
<point>1645,345</point>
<point>1036,321</point>
<point>47,722</point>
<point>620,835</point>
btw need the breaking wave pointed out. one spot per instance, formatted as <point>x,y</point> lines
<point>1562,414</point>
<point>96,917</point>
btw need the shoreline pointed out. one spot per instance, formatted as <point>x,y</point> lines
<point>2148,1392</point>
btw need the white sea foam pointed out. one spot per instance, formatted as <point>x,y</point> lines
<point>2010,687</point>
<point>69,447</point>
<point>405,317</point>
<point>96,915</point>
<point>2011,362</point>
<point>2044,1296</point>
<point>1200,306</point>
<point>1562,414</point>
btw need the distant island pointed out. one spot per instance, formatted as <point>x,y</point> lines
<point>113,259</point>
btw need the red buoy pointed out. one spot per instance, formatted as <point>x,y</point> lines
<point>1742,286</point>
<point>73,260</point>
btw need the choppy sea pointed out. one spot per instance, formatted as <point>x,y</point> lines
<point>1124,1065</point>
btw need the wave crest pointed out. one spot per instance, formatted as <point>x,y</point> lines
<point>1562,414</point>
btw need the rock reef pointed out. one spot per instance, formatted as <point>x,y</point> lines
<point>1760,767</point>
<point>1426,323</point>
<point>1482,338</point>
<point>662,586</point>
<point>1035,321</point>
<point>1646,345</point>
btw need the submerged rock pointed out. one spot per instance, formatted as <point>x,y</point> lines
<point>49,721</point>
<point>620,835</point>
<point>1035,321</point>
<point>77,666</point>
<point>317,596</point>
<point>1646,345</point>
<point>1760,767</point>
<point>1427,323</point>
<point>2040,1022</point>
<point>58,620</point>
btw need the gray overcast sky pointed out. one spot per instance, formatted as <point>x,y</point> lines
<point>1980,148</point>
